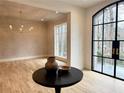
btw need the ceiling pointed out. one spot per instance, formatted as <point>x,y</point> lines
<point>82,3</point>
<point>33,10</point>
<point>79,3</point>
<point>13,9</point>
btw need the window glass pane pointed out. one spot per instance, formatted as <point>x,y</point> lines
<point>120,69</point>
<point>107,49</point>
<point>98,19</point>
<point>109,31</point>
<point>97,63</point>
<point>60,41</point>
<point>108,66</point>
<point>98,32</point>
<point>120,32</point>
<point>121,11</point>
<point>110,14</point>
<point>97,48</point>
<point>121,52</point>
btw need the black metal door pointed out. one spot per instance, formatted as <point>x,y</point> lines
<point>108,40</point>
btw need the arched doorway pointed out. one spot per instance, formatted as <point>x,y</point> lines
<point>108,40</point>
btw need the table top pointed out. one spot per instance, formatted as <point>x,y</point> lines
<point>73,76</point>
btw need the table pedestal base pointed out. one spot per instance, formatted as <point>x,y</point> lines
<point>58,89</point>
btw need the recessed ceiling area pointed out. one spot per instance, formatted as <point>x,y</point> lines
<point>12,9</point>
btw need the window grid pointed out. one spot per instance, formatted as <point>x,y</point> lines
<point>107,22</point>
<point>60,40</point>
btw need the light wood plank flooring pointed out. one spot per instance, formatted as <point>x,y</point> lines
<point>16,77</point>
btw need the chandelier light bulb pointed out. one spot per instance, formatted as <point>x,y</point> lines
<point>20,29</point>
<point>31,28</point>
<point>42,19</point>
<point>10,26</point>
<point>22,26</point>
<point>57,12</point>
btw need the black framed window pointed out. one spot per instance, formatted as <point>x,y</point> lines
<point>108,40</point>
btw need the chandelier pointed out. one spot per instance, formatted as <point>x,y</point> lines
<point>21,26</point>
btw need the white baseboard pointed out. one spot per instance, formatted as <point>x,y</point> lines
<point>23,58</point>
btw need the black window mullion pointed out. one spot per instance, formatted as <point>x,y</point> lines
<point>107,23</point>
<point>116,28</point>
<point>92,63</point>
<point>105,40</point>
<point>105,57</point>
<point>120,20</point>
<point>116,24</point>
<point>102,42</point>
<point>98,24</point>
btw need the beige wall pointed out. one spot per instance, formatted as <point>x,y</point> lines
<point>80,32</point>
<point>77,27</point>
<point>20,45</point>
<point>88,31</point>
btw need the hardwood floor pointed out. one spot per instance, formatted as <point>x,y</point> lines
<point>16,77</point>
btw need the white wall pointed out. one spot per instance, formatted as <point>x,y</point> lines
<point>77,37</point>
<point>88,30</point>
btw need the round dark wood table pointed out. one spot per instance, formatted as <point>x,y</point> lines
<point>59,80</point>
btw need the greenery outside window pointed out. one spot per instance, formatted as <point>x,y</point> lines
<point>60,40</point>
